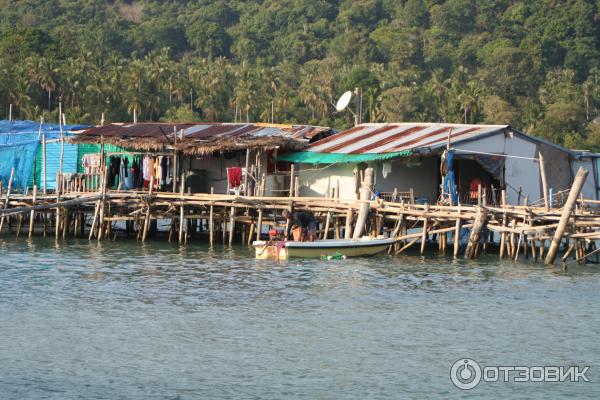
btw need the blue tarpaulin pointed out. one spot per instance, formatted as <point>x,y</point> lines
<point>19,142</point>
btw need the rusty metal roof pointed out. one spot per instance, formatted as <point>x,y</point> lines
<point>202,137</point>
<point>398,137</point>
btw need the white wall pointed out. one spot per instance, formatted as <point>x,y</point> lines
<point>589,188</point>
<point>419,174</point>
<point>519,173</point>
<point>317,182</point>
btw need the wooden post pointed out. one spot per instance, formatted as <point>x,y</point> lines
<point>175,171</point>
<point>57,190</point>
<point>544,180</point>
<point>478,224</point>
<point>94,219</point>
<point>32,213</point>
<point>44,164</point>
<point>231,224</point>
<point>457,234</point>
<point>147,217</point>
<point>363,211</point>
<point>348,228</point>
<point>251,234</point>
<point>327,224</point>
<point>211,221</point>
<point>566,214</point>
<point>259,223</point>
<point>102,203</point>
<point>62,142</point>
<point>246,191</point>
<point>424,236</point>
<point>7,198</point>
<point>292,177</point>
<point>181,210</point>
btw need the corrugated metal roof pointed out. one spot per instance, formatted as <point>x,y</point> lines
<point>298,132</point>
<point>395,137</point>
<point>201,137</point>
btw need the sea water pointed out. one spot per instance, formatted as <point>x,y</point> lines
<point>126,320</point>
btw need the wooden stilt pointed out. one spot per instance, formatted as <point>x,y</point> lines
<point>424,233</point>
<point>348,227</point>
<point>181,210</point>
<point>7,198</point>
<point>231,224</point>
<point>478,225</point>
<point>566,214</point>
<point>457,234</point>
<point>363,211</point>
<point>259,223</point>
<point>32,213</point>
<point>211,222</point>
<point>327,223</point>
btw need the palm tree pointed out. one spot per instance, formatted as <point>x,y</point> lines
<point>470,100</point>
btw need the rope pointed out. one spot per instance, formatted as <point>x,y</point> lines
<point>496,154</point>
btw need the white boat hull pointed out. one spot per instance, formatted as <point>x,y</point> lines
<point>323,248</point>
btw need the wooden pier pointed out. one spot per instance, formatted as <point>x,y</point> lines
<point>514,231</point>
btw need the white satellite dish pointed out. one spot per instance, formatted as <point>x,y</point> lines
<point>344,100</point>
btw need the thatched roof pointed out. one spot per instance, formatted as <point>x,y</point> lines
<point>203,138</point>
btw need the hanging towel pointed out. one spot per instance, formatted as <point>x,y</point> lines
<point>386,169</point>
<point>234,176</point>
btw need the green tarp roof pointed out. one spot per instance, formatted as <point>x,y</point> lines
<point>311,157</point>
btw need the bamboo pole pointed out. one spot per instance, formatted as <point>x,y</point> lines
<point>44,164</point>
<point>32,213</point>
<point>424,233</point>
<point>566,214</point>
<point>146,227</point>
<point>292,176</point>
<point>259,223</point>
<point>7,198</point>
<point>57,223</point>
<point>231,224</point>
<point>102,203</point>
<point>457,230</point>
<point>211,222</point>
<point>181,210</point>
<point>251,234</point>
<point>544,180</point>
<point>327,223</point>
<point>62,141</point>
<point>247,170</point>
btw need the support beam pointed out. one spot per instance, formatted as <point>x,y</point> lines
<point>566,214</point>
<point>363,211</point>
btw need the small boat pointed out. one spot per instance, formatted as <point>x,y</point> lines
<point>329,248</point>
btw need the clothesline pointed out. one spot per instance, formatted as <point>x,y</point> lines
<point>137,153</point>
<point>495,154</point>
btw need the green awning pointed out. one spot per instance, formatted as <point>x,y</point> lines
<point>311,157</point>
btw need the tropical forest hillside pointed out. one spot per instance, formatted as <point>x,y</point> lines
<point>532,64</point>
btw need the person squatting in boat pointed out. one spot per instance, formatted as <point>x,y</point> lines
<point>303,220</point>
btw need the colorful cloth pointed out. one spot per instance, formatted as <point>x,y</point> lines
<point>234,176</point>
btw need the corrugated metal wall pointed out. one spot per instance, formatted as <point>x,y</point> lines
<point>70,162</point>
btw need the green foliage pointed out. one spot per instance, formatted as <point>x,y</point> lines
<point>532,64</point>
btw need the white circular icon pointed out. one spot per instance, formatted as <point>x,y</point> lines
<point>465,374</point>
